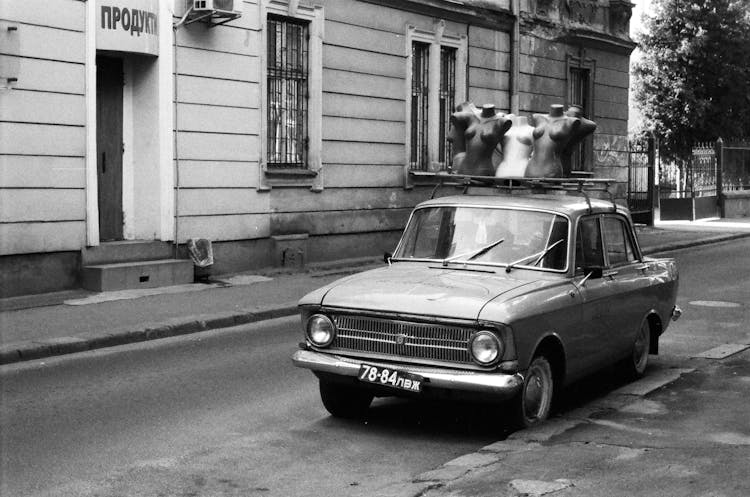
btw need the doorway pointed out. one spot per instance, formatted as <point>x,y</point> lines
<point>109,146</point>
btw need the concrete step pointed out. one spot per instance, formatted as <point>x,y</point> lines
<point>137,274</point>
<point>126,251</point>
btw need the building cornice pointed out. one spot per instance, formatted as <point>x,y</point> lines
<point>596,40</point>
<point>478,13</point>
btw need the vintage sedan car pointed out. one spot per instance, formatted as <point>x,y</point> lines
<point>493,298</point>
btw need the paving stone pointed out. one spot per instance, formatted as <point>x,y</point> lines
<point>652,382</point>
<point>509,445</point>
<point>405,489</point>
<point>547,430</point>
<point>538,487</point>
<point>443,473</point>
<point>723,351</point>
<point>474,460</point>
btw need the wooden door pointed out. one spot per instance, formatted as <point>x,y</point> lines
<point>109,147</point>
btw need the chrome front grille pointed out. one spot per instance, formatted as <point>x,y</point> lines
<point>405,339</point>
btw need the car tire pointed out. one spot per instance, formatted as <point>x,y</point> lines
<point>534,403</point>
<point>344,401</point>
<point>634,366</point>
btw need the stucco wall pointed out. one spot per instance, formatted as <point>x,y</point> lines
<point>42,126</point>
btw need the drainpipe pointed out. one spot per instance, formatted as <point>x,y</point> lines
<point>176,26</point>
<point>515,56</point>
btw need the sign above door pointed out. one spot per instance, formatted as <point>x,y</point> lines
<point>128,26</point>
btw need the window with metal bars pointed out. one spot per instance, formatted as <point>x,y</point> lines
<point>287,93</point>
<point>447,100</point>
<point>420,76</point>
<point>579,87</point>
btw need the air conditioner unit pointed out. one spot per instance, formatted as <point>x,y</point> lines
<point>221,7</point>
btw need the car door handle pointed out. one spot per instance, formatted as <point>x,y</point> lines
<point>609,274</point>
<point>643,267</point>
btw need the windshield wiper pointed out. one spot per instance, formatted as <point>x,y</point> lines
<point>474,253</point>
<point>539,256</point>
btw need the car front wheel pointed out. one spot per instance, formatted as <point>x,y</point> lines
<point>343,401</point>
<point>534,403</point>
<point>634,366</point>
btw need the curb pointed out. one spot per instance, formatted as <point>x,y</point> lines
<point>39,349</point>
<point>668,247</point>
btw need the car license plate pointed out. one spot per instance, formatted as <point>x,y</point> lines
<point>391,378</point>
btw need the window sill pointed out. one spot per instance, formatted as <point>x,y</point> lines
<point>425,176</point>
<point>290,178</point>
<point>290,173</point>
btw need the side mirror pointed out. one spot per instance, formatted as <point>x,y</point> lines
<point>387,257</point>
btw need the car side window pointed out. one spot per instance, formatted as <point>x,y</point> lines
<point>589,243</point>
<point>619,248</point>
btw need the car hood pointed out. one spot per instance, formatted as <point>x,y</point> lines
<point>418,289</point>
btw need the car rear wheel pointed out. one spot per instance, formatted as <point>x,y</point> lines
<point>534,403</point>
<point>344,401</point>
<point>634,366</point>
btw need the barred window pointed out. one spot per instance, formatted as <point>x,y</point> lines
<point>419,104</point>
<point>287,92</point>
<point>447,99</point>
<point>579,87</point>
<point>436,73</point>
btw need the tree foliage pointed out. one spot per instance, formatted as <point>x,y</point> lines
<point>693,80</point>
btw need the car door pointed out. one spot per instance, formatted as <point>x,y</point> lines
<point>598,292</point>
<point>629,279</point>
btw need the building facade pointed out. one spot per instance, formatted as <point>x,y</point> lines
<point>283,131</point>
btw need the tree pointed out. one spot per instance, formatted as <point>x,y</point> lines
<point>693,80</point>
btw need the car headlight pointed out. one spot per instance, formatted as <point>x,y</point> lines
<point>320,330</point>
<point>486,348</point>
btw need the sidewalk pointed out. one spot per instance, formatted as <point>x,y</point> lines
<point>677,432</point>
<point>37,326</point>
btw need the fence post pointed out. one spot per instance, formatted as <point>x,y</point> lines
<point>656,185</point>
<point>651,178</point>
<point>630,174</point>
<point>719,151</point>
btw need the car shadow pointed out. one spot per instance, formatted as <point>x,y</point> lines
<point>468,422</point>
<point>592,388</point>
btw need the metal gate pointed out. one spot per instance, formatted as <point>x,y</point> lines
<point>641,184</point>
<point>688,191</point>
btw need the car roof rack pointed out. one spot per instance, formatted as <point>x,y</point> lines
<point>580,185</point>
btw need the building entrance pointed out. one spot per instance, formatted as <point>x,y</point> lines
<point>109,146</point>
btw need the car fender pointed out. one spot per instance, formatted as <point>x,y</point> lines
<point>657,328</point>
<point>543,341</point>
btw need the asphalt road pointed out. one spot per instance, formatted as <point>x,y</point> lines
<point>225,413</point>
<point>218,409</point>
<point>714,294</point>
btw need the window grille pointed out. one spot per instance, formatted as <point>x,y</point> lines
<point>287,93</point>
<point>419,107</point>
<point>447,101</point>
<point>579,96</point>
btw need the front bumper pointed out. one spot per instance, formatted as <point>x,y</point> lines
<point>498,385</point>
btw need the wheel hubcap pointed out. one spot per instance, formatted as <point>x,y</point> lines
<point>639,350</point>
<point>535,393</point>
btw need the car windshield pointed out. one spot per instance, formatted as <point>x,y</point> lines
<point>523,238</point>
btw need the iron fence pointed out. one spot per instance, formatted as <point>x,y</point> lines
<point>735,165</point>
<point>703,170</point>
<point>694,178</point>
